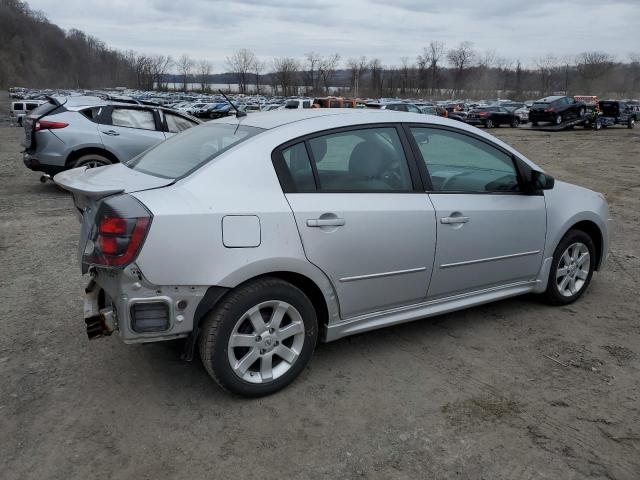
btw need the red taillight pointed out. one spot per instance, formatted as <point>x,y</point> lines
<point>122,224</point>
<point>118,241</point>
<point>550,110</point>
<point>113,226</point>
<point>47,125</point>
<point>483,114</point>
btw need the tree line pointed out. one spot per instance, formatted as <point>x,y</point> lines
<point>36,53</point>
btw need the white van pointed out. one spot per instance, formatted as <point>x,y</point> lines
<point>21,108</point>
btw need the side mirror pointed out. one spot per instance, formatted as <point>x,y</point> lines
<point>541,181</point>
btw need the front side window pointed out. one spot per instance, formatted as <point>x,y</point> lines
<point>133,118</point>
<point>461,163</point>
<point>366,160</point>
<point>184,153</point>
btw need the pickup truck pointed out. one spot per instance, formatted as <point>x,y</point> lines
<point>614,112</point>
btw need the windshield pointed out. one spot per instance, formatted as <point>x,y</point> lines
<point>189,150</point>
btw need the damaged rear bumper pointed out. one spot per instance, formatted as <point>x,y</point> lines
<point>123,301</point>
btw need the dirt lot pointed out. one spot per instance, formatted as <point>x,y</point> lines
<point>470,395</point>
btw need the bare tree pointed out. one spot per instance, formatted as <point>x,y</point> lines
<point>311,77</point>
<point>327,68</point>
<point>204,70</point>
<point>357,68</point>
<point>592,66</point>
<point>546,68</point>
<point>406,70</point>
<point>286,70</point>
<point>185,66</point>
<point>159,67</point>
<point>258,68</point>
<point>376,69</point>
<point>242,64</point>
<point>429,62</point>
<point>461,59</point>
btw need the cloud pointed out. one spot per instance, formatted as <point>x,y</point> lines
<point>388,30</point>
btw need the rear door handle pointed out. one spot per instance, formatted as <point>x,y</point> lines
<point>325,222</point>
<point>450,220</point>
<point>113,133</point>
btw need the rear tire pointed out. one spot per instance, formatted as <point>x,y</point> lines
<point>267,356</point>
<point>515,122</point>
<point>558,119</point>
<point>631,123</point>
<point>571,269</point>
<point>489,124</point>
<point>92,160</point>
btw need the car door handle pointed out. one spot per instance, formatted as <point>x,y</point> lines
<point>450,220</point>
<point>113,133</point>
<point>325,222</point>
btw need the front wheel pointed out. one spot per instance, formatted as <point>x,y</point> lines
<point>515,122</point>
<point>259,338</point>
<point>572,268</point>
<point>631,123</point>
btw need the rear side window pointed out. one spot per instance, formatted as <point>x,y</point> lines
<point>184,153</point>
<point>176,123</point>
<point>299,167</point>
<point>461,163</point>
<point>133,118</point>
<point>18,106</point>
<point>31,106</point>
<point>91,113</point>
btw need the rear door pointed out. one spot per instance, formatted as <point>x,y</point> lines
<point>127,131</point>
<point>361,217</point>
<point>490,233</point>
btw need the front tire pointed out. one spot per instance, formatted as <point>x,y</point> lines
<point>515,122</point>
<point>574,261</point>
<point>558,119</point>
<point>259,338</point>
<point>631,123</point>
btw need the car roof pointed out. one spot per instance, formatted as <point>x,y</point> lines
<point>307,121</point>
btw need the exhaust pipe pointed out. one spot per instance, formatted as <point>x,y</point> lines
<point>101,325</point>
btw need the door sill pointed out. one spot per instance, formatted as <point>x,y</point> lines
<point>408,313</point>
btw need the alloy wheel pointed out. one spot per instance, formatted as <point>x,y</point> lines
<point>266,341</point>
<point>573,269</point>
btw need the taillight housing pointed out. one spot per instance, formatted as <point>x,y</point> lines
<point>48,125</point>
<point>483,114</point>
<point>550,110</point>
<point>119,231</point>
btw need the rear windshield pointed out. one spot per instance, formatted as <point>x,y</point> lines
<point>540,105</point>
<point>43,109</point>
<point>189,150</point>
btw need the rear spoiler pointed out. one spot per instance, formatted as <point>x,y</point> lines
<point>72,181</point>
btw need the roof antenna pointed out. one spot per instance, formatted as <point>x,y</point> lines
<point>238,112</point>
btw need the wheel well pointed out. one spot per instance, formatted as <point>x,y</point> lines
<point>76,154</point>
<point>594,232</point>
<point>311,290</point>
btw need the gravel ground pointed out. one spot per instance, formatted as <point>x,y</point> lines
<point>511,390</point>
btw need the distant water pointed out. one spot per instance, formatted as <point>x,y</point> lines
<point>226,87</point>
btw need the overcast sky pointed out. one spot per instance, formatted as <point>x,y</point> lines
<point>387,29</point>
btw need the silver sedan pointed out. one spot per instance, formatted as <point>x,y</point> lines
<point>254,238</point>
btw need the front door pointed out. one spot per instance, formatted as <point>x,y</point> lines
<point>360,219</point>
<point>489,232</point>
